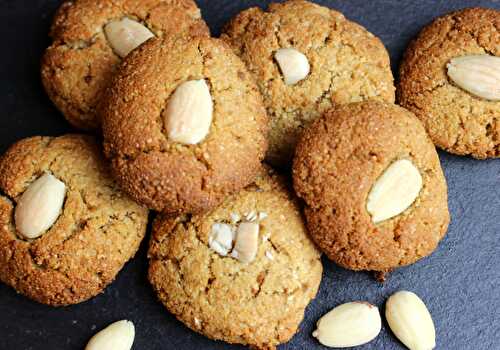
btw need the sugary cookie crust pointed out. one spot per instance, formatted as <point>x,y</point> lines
<point>339,158</point>
<point>348,64</point>
<point>78,65</point>
<point>165,175</point>
<point>457,121</point>
<point>99,230</point>
<point>260,304</point>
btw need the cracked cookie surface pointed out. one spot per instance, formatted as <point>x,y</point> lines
<point>260,304</point>
<point>457,121</point>
<point>166,175</point>
<point>97,232</point>
<point>347,64</point>
<point>368,137</point>
<point>77,67</point>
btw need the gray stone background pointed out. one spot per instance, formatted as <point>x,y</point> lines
<point>460,282</point>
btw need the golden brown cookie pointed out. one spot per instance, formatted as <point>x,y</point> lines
<point>154,161</point>
<point>95,231</point>
<point>207,286</point>
<point>353,155</point>
<point>338,60</point>
<point>77,67</point>
<point>457,121</point>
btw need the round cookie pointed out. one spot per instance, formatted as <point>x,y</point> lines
<point>260,303</point>
<point>456,120</point>
<point>346,64</point>
<point>163,172</point>
<point>96,232</point>
<point>78,65</point>
<point>338,162</point>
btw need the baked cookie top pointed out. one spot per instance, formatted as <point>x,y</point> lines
<point>306,59</point>
<point>86,48</point>
<point>374,191</point>
<point>204,280</point>
<point>83,229</point>
<point>184,124</point>
<point>457,120</point>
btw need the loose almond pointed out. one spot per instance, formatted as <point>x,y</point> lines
<point>477,74</point>
<point>39,206</point>
<point>125,35</point>
<point>410,321</point>
<point>117,336</point>
<point>293,65</point>
<point>247,240</point>
<point>351,324</point>
<point>394,191</point>
<point>188,115</point>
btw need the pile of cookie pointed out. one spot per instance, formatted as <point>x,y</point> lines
<point>187,122</point>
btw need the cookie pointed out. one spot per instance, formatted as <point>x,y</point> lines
<point>78,65</point>
<point>184,124</point>
<point>306,59</point>
<point>213,285</point>
<point>374,191</point>
<point>457,120</point>
<point>66,229</point>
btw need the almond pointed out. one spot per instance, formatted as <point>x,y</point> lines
<point>247,239</point>
<point>477,74</point>
<point>394,191</point>
<point>351,324</point>
<point>221,238</point>
<point>117,336</point>
<point>293,65</point>
<point>410,321</point>
<point>188,115</point>
<point>39,206</point>
<point>125,35</point>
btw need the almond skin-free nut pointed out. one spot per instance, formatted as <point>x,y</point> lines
<point>39,206</point>
<point>247,240</point>
<point>117,336</point>
<point>394,191</point>
<point>221,238</point>
<point>410,321</point>
<point>477,74</point>
<point>351,324</point>
<point>293,65</point>
<point>125,35</point>
<point>188,115</point>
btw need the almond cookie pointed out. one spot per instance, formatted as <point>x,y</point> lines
<point>243,273</point>
<point>374,191</point>
<point>183,124</point>
<point>90,37</point>
<point>306,59</point>
<point>450,78</point>
<point>66,229</point>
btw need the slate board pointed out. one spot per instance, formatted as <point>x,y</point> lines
<point>460,282</point>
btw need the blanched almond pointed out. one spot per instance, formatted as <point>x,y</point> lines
<point>351,324</point>
<point>394,191</point>
<point>293,65</point>
<point>117,336</point>
<point>247,240</point>
<point>125,35</point>
<point>39,206</point>
<point>188,115</point>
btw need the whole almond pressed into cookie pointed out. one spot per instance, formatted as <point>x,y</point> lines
<point>39,206</point>
<point>477,74</point>
<point>188,115</point>
<point>125,35</point>
<point>394,191</point>
<point>293,64</point>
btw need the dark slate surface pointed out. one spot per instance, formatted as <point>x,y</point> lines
<point>460,282</point>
